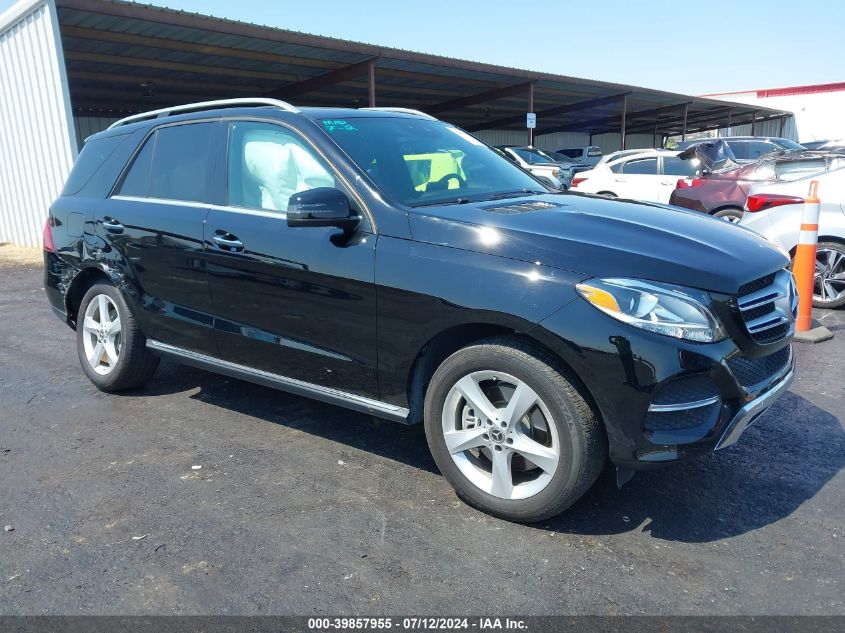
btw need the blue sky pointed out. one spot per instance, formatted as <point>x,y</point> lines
<point>685,46</point>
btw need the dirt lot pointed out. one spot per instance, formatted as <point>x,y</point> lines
<point>303,508</point>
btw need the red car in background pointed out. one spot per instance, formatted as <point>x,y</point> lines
<point>723,185</point>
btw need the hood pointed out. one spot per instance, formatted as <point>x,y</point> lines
<point>599,237</point>
<point>713,155</point>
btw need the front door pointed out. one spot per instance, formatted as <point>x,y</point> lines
<point>297,302</point>
<point>155,222</point>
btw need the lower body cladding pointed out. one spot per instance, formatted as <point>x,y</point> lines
<point>663,400</point>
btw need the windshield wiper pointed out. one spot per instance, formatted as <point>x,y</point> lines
<point>516,194</point>
<point>442,202</point>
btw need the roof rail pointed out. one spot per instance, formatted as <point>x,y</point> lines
<point>206,105</point>
<point>403,111</point>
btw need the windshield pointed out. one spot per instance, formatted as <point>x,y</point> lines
<point>560,158</point>
<point>422,162</point>
<point>785,143</point>
<point>532,156</point>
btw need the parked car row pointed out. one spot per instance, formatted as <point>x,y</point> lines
<point>719,177</point>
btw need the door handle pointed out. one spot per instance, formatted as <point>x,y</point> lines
<point>227,242</point>
<point>112,226</point>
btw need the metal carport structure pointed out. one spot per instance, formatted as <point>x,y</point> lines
<point>70,67</point>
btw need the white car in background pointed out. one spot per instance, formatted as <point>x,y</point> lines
<point>623,153</point>
<point>649,175</point>
<point>775,210</point>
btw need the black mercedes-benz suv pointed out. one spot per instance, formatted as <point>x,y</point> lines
<point>385,261</point>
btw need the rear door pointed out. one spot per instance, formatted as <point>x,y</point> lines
<point>638,179</point>
<point>298,302</point>
<point>154,219</point>
<point>673,169</point>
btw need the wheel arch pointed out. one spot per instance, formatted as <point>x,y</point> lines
<point>80,284</point>
<point>447,342</point>
<point>724,207</point>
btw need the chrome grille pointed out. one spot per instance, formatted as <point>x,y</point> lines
<point>768,306</point>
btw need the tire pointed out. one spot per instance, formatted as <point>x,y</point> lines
<point>732,215</point>
<point>115,344</point>
<point>560,421</point>
<point>607,194</point>
<point>830,263</point>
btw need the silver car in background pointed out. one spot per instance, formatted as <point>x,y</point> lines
<point>775,211</point>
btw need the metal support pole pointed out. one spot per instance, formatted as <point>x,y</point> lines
<point>622,127</point>
<point>781,126</point>
<point>730,116</point>
<point>754,123</point>
<point>371,71</point>
<point>684,131</point>
<point>654,136</point>
<point>531,109</point>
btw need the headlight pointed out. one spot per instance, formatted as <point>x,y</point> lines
<point>664,309</point>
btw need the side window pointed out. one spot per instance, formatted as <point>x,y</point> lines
<point>756,149</point>
<point>93,155</point>
<point>673,166</point>
<point>181,162</point>
<point>137,180</point>
<point>739,149</point>
<point>643,166</point>
<point>268,164</point>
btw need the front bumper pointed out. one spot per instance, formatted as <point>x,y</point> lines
<point>664,400</point>
<point>748,414</point>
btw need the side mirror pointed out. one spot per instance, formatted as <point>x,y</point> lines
<point>323,206</point>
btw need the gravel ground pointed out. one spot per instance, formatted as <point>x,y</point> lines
<point>304,508</point>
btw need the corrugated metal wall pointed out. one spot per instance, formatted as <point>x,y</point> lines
<point>558,140</point>
<point>764,128</point>
<point>87,125</point>
<point>37,144</point>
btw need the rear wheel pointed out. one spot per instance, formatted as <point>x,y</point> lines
<point>512,434</point>
<point>829,288</point>
<point>112,348</point>
<point>731,215</point>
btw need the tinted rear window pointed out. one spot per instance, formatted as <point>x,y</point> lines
<point>673,166</point>
<point>93,155</point>
<point>181,162</point>
<point>137,180</point>
<point>646,166</point>
<point>173,164</point>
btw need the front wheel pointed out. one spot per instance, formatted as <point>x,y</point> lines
<point>511,432</point>
<point>112,348</point>
<point>829,282</point>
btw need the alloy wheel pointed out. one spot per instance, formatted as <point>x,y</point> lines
<point>101,334</point>
<point>829,281</point>
<point>500,434</point>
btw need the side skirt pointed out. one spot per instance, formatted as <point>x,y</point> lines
<point>283,383</point>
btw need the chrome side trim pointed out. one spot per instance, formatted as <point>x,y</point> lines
<point>207,105</point>
<point>283,383</point>
<point>749,413</point>
<point>683,406</point>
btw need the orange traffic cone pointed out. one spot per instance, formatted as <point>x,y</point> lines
<point>804,269</point>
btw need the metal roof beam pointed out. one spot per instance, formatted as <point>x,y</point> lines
<point>561,109</point>
<point>481,97</point>
<point>699,117</point>
<point>612,122</point>
<point>313,84</point>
